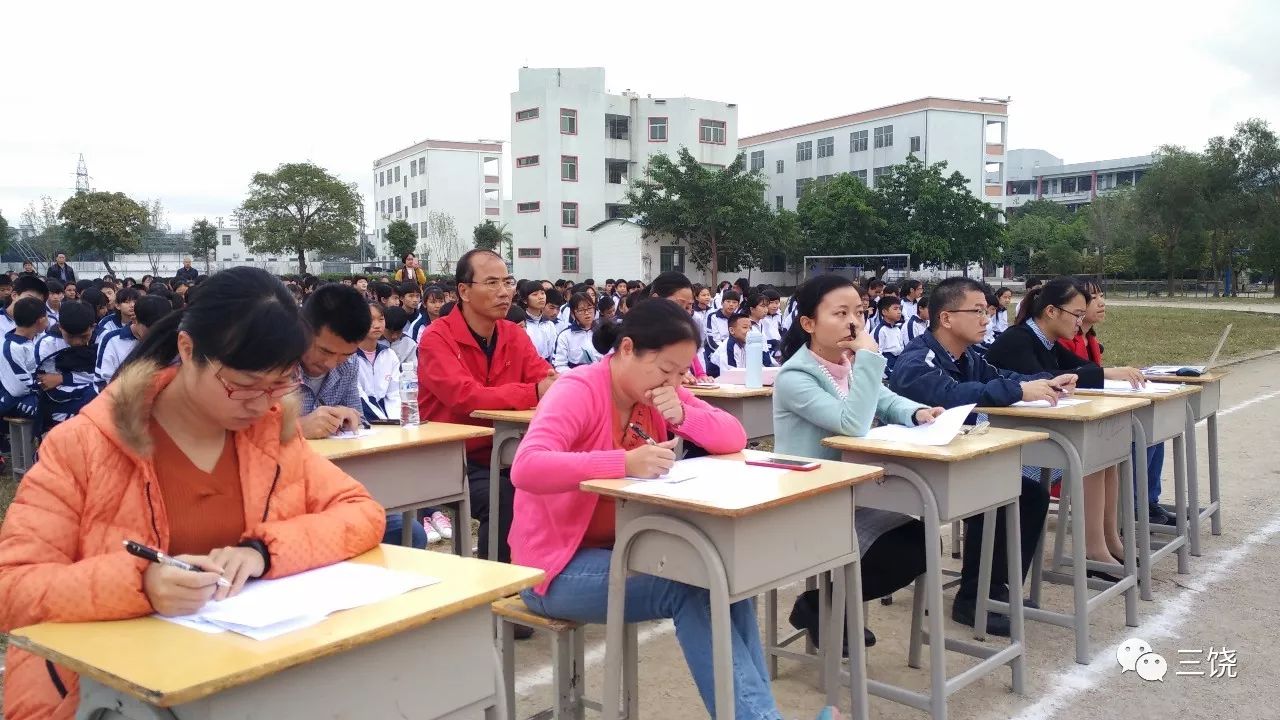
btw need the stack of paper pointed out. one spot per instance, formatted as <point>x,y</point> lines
<point>941,431</point>
<point>1126,386</point>
<point>724,483</point>
<point>268,608</point>
<point>1062,402</point>
<point>1171,369</point>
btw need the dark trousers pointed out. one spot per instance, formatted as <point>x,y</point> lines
<point>478,482</point>
<point>1033,505</point>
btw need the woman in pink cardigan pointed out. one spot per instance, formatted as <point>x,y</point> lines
<point>583,430</point>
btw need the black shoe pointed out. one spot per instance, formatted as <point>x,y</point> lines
<point>1001,594</point>
<point>523,632</point>
<point>804,616</point>
<point>963,611</point>
<point>1099,575</point>
<point>1157,515</point>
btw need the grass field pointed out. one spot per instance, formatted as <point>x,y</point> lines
<point>1135,336</point>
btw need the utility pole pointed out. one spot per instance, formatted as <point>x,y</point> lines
<point>82,176</point>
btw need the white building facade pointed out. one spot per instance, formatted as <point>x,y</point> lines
<point>575,148</point>
<point>1036,174</point>
<point>969,136</point>
<point>432,180</point>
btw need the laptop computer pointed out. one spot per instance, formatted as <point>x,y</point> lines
<point>1192,370</point>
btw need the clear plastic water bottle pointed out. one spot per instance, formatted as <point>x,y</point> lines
<point>755,357</point>
<point>409,393</point>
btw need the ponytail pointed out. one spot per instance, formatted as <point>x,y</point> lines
<point>1058,291</point>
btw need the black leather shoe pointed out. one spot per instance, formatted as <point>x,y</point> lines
<point>1099,575</point>
<point>1157,515</point>
<point>963,611</point>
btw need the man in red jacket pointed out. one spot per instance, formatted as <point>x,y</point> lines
<point>475,359</point>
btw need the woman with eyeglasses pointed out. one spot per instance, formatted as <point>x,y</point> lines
<point>1052,312</point>
<point>193,449</point>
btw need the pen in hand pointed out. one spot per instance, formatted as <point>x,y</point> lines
<point>643,435</point>
<point>155,556</point>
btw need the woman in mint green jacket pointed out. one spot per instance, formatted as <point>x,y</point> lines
<point>829,384</point>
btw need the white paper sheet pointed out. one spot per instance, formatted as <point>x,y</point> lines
<point>1123,386</point>
<point>267,608</point>
<point>351,434</point>
<point>939,432</point>
<point>1064,402</point>
<point>726,483</point>
<point>1171,369</point>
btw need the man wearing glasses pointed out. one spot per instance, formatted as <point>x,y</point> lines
<point>941,368</point>
<point>475,359</point>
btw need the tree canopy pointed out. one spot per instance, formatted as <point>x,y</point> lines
<point>299,208</point>
<point>401,238</point>
<point>204,240</point>
<point>102,222</point>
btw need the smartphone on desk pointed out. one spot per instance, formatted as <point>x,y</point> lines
<point>785,463</point>
<point>388,421</point>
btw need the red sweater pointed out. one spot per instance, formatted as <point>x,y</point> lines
<point>455,378</point>
<point>1085,347</point>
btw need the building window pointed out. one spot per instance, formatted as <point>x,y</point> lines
<point>527,161</point>
<point>226,239</point>
<point>568,121</point>
<point>712,131</point>
<point>422,229</point>
<point>801,185</point>
<point>529,253</point>
<point>804,151</point>
<point>615,171</point>
<point>414,195</point>
<point>569,168</point>
<point>780,166</point>
<point>776,262</point>
<point>422,166</point>
<point>777,202</point>
<point>883,136</point>
<point>382,176</point>
<point>529,114</point>
<point>413,169</point>
<point>915,143</point>
<point>757,160</point>
<point>858,141</point>
<point>569,214</point>
<point>398,206</point>
<point>1068,184</point>
<point>568,260</point>
<point>397,169</point>
<point>671,258</point>
<point>1084,183</point>
<point>877,173</point>
<point>617,127</point>
<point>613,211</point>
<point>824,179</point>
<point>657,129</point>
<point>861,175</point>
<point>422,198</point>
<point>528,207</point>
<point>826,147</point>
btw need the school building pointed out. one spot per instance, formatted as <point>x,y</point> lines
<point>443,189</point>
<point>1039,175</point>
<point>575,146</point>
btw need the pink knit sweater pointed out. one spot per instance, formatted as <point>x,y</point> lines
<point>569,442</point>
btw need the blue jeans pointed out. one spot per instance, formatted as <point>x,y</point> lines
<point>395,523</point>
<point>581,593</point>
<point>1155,466</point>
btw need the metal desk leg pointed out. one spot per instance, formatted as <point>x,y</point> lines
<point>1193,485</point>
<point>1215,495</point>
<point>616,646</point>
<point>500,440</point>
<point>1013,557</point>
<point>771,631</point>
<point>854,609</point>
<point>1180,499</point>
<point>407,519</point>
<point>1144,522</point>
<point>984,575</point>
<point>1127,528</point>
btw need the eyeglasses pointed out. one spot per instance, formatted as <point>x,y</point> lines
<point>1077,315</point>
<point>975,311</point>
<point>494,283</point>
<point>279,391</point>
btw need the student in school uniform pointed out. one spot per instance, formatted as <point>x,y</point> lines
<point>193,450</point>
<point>396,320</point>
<point>53,304</point>
<point>25,286</point>
<point>1086,345</point>
<point>890,332</point>
<point>771,324</point>
<point>67,351</point>
<point>379,371</point>
<point>542,331</point>
<point>918,324</point>
<point>584,430</point>
<point>829,384</point>
<point>410,300</point>
<point>1000,323</point>
<point>756,306</point>
<point>121,315</point>
<point>116,345</point>
<point>18,378</point>
<point>551,311</point>
<point>912,291</point>
<point>732,352</point>
<point>942,368</point>
<point>573,344</point>
<point>433,300</point>
<point>717,329</point>
<point>606,310</point>
<point>1051,312</point>
<point>701,305</point>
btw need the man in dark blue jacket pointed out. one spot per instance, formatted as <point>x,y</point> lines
<point>941,368</point>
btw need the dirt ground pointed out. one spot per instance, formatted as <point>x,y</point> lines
<point>1227,601</point>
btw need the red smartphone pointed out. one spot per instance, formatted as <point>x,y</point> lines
<point>785,463</point>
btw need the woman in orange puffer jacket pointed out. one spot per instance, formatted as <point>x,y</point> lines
<point>201,458</point>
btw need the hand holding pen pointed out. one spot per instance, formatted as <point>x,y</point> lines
<point>177,585</point>
<point>651,460</point>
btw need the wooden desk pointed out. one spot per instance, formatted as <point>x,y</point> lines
<point>1205,406</point>
<point>366,662</point>
<point>1082,439</point>
<point>409,468</point>
<point>1168,417</point>
<point>753,407</point>
<point>509,427</point>
<point>729,545</point>
<point>970,475</point>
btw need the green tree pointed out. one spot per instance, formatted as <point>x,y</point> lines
<point>299,208</point>
<point>402,238</point>
<point>934,216</point>
<point>204,241</point>
<point>839,217</point>
<point>1170,202</point>
<point>1258,154</point>
<point>1109,228</point>
<point>788,239</point>
<point>715,211</point>
<point>1060,258</point>
<point>4,233</point>
<point>102,222</point>
<point>46,238</point>
<point>1042,208</point>
<point>491,236</point>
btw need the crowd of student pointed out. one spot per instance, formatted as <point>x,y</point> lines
<point>188,428</point>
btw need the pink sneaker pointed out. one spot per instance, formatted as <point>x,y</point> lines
<point>442,524</point>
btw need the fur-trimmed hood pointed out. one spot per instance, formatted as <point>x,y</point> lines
<point>123,411</point>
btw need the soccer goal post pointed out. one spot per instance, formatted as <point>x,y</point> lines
<point>860,268</point>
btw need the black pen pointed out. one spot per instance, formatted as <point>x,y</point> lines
<point>155,556</point>
<point>643,435</point>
